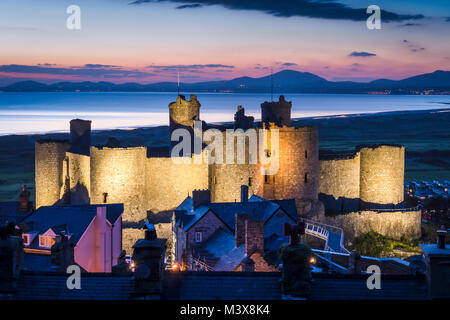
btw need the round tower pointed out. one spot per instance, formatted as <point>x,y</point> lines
<point>277,112</point>
<point>49,171</point>
<point>382,176</point>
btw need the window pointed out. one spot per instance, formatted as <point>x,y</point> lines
<point>26,239</point>
<point>249,182</point>
<point>306,154</point>
<point>306,178</point>
<point>46,241</point>
<point>198,236</point>
<point>105,197</point>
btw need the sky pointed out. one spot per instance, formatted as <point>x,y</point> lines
<point>149,41</point>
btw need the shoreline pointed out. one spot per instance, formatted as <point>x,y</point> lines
<point>318,117</point>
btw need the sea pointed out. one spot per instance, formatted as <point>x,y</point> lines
<point>45,112</point>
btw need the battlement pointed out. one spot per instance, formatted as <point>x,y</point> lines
<point>284,128</point>
<point>183,102</point>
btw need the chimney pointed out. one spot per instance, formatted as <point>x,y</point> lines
<point>24,199</point>
<point>62,252</point>
<point>201,197</point>
<point>254,236</point>
<point>239,228</point>
<point>11,258</point>
<point>244,194</point>
<point>248,265</point>
<point>441,235</point>
<point>148,257</point>
<point>437,260</point>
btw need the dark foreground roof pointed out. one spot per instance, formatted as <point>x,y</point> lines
<point>354,287</point>
<point>94,286</point>
<point>223,286</point>
<point>217,286</point>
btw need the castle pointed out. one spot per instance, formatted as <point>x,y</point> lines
<point>76,172</point>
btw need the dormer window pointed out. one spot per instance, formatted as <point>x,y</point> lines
<point>46,241</point>
<point>28,238</point>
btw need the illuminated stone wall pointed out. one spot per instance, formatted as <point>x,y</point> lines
<point>392,224</point>
<point>382,174</point>
<point>79,178</point>
<point>298,173</point>
<point>339,182</point>
<point>168,184</point>
<point>119,173</point>
<point>340,177</point>
<point>49,158</point>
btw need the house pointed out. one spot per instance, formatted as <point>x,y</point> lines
<point>19,284</point>
<point>95,230</point>
<point>219,236</point>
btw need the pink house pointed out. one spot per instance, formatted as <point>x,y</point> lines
<point>95,230</point>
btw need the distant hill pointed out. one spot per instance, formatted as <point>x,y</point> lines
<point>286,81</point>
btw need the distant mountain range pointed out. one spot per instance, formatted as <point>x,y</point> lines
<point>286,81</point>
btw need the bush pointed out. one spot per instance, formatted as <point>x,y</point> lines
<point>372,244</point>
<point>376,245</point>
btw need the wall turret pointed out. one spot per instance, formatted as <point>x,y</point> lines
<point>277,112</point>
<point>183,114</point>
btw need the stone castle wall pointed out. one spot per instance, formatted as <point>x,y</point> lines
<point>339,183</point>
<point>168,183</point>
<point>119,174</point>
<point>394,224</point>
<point>382,174</point>
<point>49,158</point>
<point>79,178</point>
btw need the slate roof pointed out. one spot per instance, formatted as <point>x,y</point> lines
<point>72,219</point>
<point>231,259</point>
<point>257,208</point>
<point>37,262</point>
<point>10,212</point>
<point>222,286</point>
<point>218,244</point>
<point>350,287</point>
<point>52,286</point>
<point>388,266</point>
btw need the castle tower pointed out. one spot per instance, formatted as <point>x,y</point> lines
<point>78,163</point>
<point>80,137</point>
<point>183,113</point>
<point>49,171</point>
<point>382,176</point>
<point>277,112</point>
<point>298,172</point>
